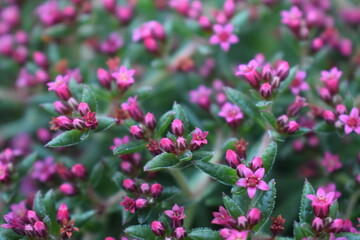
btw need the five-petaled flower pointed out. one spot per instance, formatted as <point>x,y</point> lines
<point>351,121</point>
<point>124,78</point>
<point>224,36</point>
<point>252,181</point>
<point>321,202</point>
<point>231,113</point>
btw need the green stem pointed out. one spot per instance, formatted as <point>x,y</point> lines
<point>353,199</point>
<point>181,181</point>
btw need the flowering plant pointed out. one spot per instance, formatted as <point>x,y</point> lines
<point>179,119</point>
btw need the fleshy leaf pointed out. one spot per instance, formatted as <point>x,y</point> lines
<point>323,127</point>
<point>88,96</point>
<point>180,114</point>
<point>164,160</point>
<point>97,174</point>
<point>202,156</point>
<point>163,123</point>
<point>306,213</point>
<point>130,147</point>
<point>141,232</point>
<point>26,164</point>
<point>302,230</point>
<point>204,234</point>
<point>187,156</point>
<point>104,123</point>
<point>269,156</point>
<point>285,85</point>
<point>68,138</point>
<point>234,210</point>
<point>224,174</point>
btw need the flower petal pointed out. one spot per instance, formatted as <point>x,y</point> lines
<point>263,186</point>
<point>242,182</point>
<point>251,192</point>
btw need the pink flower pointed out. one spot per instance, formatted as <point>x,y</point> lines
<point>176,214</point>
<point>133,109</point>
<point>298,83</point>
<point>124,78</point>
<point>198,139</point>
<point>231,234</point>
<point>252,181</point>
<point>60,87</point>
<point>224,36</point>
<point>331,79</point>
<point>250,72</point>
<point>128,204</point>
<point>201,96</point>
<point>119,141</point>
<point>44,170</point>
<point>321,202</point>
<point>292,17</point>
<point>112,44</point>
<point>231,113</point>
<point>352,121</point>
<point>331,187</point>
<point>331,162</point>
<point>223,218</point>
<point>49,12</point>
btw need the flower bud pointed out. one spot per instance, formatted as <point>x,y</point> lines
<point>109,5</point>
<point>68,189</point>
<point>232,158</point>
<point>32,216</point>
<point>104,78</point>
<point>266,73</point>
<point>64,123</point>
<point>156,190</point>
<point>340,109</point>
<point>40,229</point>
<point>61,107</point>
<point>336,225</point>
<point>318,224</point>
<point>256,163</point>
<point>137,132</point>
<point>177,127</point>
<point>129,184</point>
<point>265,90</point>
<point>205,23</point>
<point>282,121</point>
<point>40,59</point>
<point>79,123</point>
<point>83,108</point>
<point>4,173</point>
<point>79,171</point>
<point>242,222</point>
<point>254,216</point>
<point>158,228</point>
<point>181,144</point>
<point>240,170</point>
<point>317,44</point>
<point>150,121</point>
<point>151,45</point>
<point>42,76</point>
<point>292,127</point>
<point>140,203</point>
<point>229,8</point>
<point>329,116</point>
<point>167,144</point>
<point>325,94</point>
<point>180,233</point>
<point>63,214</point>
<point>282,70</point>
<point>144,188</point>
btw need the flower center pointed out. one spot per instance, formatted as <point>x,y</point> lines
<point>224,36</point>
<point>252,181</point>
<point>352,122</point>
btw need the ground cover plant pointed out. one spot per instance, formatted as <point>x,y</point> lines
<point>179,119</point>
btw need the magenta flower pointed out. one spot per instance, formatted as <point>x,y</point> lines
<point>331,79</point>
<point>331,162</point>
<point>124,78</point>
<point>44,170</point>
<point>133,109</point>
<point>250,72</point>
<point>223,36</point>
<point>201,96</point>
<point>351,121</point>
<point>112,44</point>
<point>198,139</point>
<point>331,187</point>
<point>232,234</point>
<point>321,202</point>
<point>128,204</point>
<point>49,12</point>
<point>231,113</point>
<point>60,86</point>
<point>252,181</point>
<point>298,84</point>
<point>176,214</point>
<point>119,141</point>
<point>292,18</point>
<point>223,218</point>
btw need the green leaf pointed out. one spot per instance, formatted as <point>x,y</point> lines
<point>263,104</point>
<point>349,235</point>
<point>140,232</point>
<point>38,205</point>
<point>230,144</point>
<point>82,218</point>
<point>88,96</point>
<point>169,192</point>
<point>269,156</point>
<point>245,104</point>
<point>240,19</point>
<point>164,160</point>
<point>204,234</point>
<point>204,156</point>
<point>26,164</point>
<point>49,107</point>
<point>234,210</point>
<point>224,174</point>
<point>302,131</point>
<point>181,115</point>
<point>302,230</point>
<point>265,204</point>
<point>104,123</point>
<point>163,123</point>
<point>49,205</point>
<point>8,234</point>
<point>334,209</point>
<point>119,178</point>
<point>323,127</point>
<point>144,214</point>
<point>306,213</point>
<point>68,138</point>
<point>285,85</point>
<point>97,174</point>
<point>270,118</point>
<point>130,147</point>
<point>187,156</point>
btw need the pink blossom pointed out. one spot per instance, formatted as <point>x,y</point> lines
<point>331,187</point>
<point>231,113</point>
<point>250,72</point>
<point>124,78</point>
<point>321,202</point>
<point>223,218</point>
<point>112,44</point>
<point>176,214</point>
<point>201,96</point>
<point>351,121</point>
<point>133,109</point>
<point>224,36</point>
<point>331,79</point>
<point>44,170</point>
<point>60,87</point>
<point>198,139</point>
<point>292,17</point>
<point>120,141</point>
<point>49,12</point>
<point>298,84</point>
<point>331,162</point>
<point>232,234</point>
<point>252,181</point>
<point>128,204</point>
